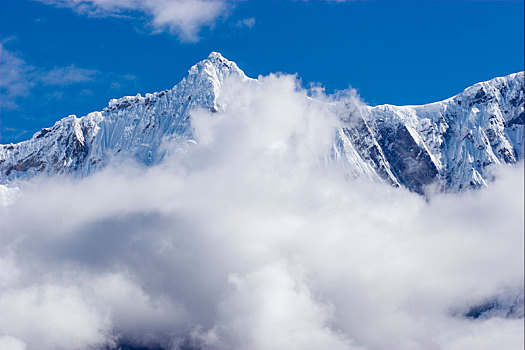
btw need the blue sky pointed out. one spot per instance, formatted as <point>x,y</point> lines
<point>71,57</point>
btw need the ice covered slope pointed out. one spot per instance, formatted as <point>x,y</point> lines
<point>130,126</point>
<point>450,143</point>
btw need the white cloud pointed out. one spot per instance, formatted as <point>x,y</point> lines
<point>63,76</point>
<point>19,78</point>
<point>184,18</point>
<point>48,307</point>
<point>286,310</point>
<point>248,239</point>
<point>11,343</point>
<point>246,22</point>
<point>14,82</point>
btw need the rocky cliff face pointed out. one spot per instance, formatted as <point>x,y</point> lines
<point>450,143</point>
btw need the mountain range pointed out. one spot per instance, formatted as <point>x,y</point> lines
<point>452,143</point>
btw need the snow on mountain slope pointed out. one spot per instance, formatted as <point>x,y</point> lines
<point>130,126</point>
<point>451,142</point>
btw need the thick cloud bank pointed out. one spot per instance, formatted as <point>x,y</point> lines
<point>250,239</point>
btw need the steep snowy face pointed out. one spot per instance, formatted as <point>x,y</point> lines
<point>132,126</point>
<point>485,127</point>
<point>451,143</point>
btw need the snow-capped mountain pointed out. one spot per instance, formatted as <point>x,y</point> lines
<point>133,125</point>
<point>450,143</point>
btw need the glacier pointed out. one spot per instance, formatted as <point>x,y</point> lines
<point>451,144</point>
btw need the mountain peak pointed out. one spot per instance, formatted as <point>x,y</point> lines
<point>214,55</point>
<point>215,65</point>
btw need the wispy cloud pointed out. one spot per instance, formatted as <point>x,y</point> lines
<point>246,22</point>
<point>18,77</point>
<point>183,18</point>
<point>63,76</point>
<point>15,79</point>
